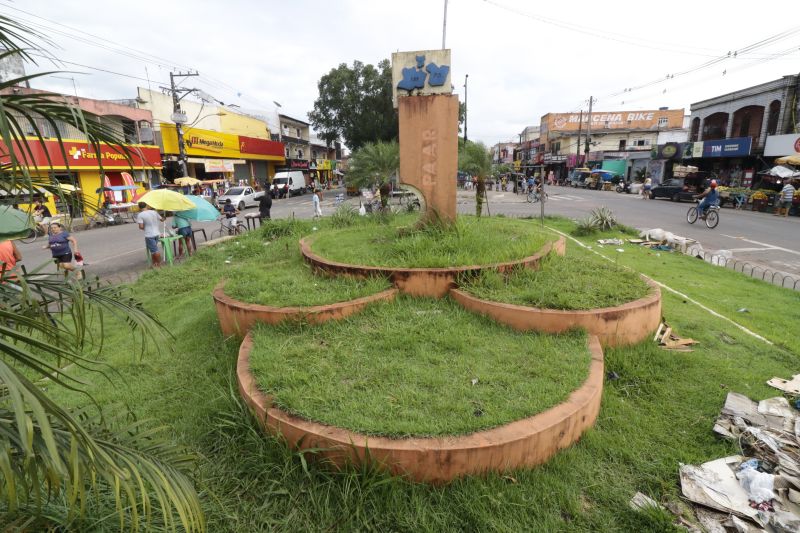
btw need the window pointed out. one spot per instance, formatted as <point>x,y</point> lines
<point>298,132</point>
<point>300,154</point>
<point>774,114</point>
<point>621,144</point>
<point>662,122</point>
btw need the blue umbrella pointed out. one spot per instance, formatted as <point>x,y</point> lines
<point>203,209</point>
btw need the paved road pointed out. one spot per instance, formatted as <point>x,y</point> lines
<point>117,253</point>
<point>759,238</point>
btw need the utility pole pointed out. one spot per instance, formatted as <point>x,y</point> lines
<point>588,132</point>
<point>176,108</point>
<point>444,24</point>
<point>466,79</point>
<point>578,150</point>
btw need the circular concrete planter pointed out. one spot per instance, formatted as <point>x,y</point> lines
<point>622,325</point>
<point>236,318</point>
<point>433,282</point>
<point>526,442</point>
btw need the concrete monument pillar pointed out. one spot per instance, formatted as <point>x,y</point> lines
<point>429,152</point>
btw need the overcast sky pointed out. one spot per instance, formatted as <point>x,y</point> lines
<point>523,60</point>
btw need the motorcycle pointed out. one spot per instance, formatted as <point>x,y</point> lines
<point>624,186</point>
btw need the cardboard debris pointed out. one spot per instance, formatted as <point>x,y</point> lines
<point>641,501</point>
<point>769,432</point>
<point>714,485</point>
<point>792,386</point>
<point>669,341</point>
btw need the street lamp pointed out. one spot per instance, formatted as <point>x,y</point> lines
<point>466,79</point>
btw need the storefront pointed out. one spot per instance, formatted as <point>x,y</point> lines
<point>729,159</point>
<point>89,178</point>
<point>223,156</point>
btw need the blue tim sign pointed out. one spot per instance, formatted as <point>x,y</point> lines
<point>736,147</point>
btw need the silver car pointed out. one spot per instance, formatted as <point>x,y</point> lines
<point>241,197</point>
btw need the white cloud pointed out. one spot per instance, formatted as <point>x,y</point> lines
<point>253,52</point>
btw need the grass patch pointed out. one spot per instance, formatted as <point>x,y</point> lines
<point>659,413</point>
<point>277,275</point>
<point>772,311</point>
<point>572,282</point>
<point>405,368</point>
<point>395,243</point>
<point>266,267</point>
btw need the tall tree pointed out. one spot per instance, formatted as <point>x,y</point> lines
<point>56,463</point>
<point>474,159</point>
<point>355,104</point>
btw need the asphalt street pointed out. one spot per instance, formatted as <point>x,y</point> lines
<point>117,253</point>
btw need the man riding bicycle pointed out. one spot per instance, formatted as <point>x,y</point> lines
<point>710,197</point>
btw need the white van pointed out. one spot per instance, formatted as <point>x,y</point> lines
<point>295,179</point>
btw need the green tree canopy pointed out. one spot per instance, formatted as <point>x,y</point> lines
<point>474,159</point>
<point>355,104</point>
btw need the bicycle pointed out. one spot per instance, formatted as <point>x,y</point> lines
<point>226,228</point>
<point>38,231</point>
<point>711,218</point>
<point>534,196</point>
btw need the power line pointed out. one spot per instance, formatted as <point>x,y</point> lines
<point>95,68</point>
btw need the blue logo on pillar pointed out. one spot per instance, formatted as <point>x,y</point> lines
<point>414,77</point>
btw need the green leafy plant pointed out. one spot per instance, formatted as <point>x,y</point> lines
<point>56,461</point>
<point>374,165</point>
<point>344,217</point>
<point>474,159</point>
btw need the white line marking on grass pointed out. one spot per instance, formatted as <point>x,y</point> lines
<point>670,289</point>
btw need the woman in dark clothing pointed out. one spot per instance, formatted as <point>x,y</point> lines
<point>264,205</point>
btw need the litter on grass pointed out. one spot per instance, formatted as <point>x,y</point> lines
<point>667,339</point>
<point>791,386</point>
<point>615,242</point>
<point>759,491</point>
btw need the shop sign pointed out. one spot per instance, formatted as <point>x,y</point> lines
<point>297,164</point>
<point>550,158</point>
<point>323,164</point>
<point>736,147</point>
<point>82,156</point>
<point>781,145</point>
<point>423,72</point>
<point>697,150</point>
<point>261,149</point>
<point>218,165</point>
<point>647,120</point>
<point>199,142</point>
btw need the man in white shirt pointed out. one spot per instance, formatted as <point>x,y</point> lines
<point>148,221</point>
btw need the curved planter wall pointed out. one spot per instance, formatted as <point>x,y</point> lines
<point>236,318</point>
<point>434,282</point>
<point>622,325</point>
<point>526,442</point>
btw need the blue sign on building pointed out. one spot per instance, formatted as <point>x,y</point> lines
<point>736,147</point>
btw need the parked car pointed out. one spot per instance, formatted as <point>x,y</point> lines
<point>295,179</point>
<point>241,197</point>
<point>681,189</point>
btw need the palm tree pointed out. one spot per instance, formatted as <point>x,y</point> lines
<point>374,165</point>
<point>54,462</point>
<point>474,159</point>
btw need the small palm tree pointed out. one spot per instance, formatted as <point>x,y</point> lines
<point>374,165</point>
<point>55,463</point>
<point>474,159</point>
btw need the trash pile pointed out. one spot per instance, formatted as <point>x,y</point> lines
<point>662,240</point>
<point>759,490</point>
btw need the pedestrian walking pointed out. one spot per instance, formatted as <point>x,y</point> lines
<point>786,199</point>
<point>648,186</point>
<point>264,206</point>
<point>315,201</point>
<point>59,243</point>
<point>148,221</point>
